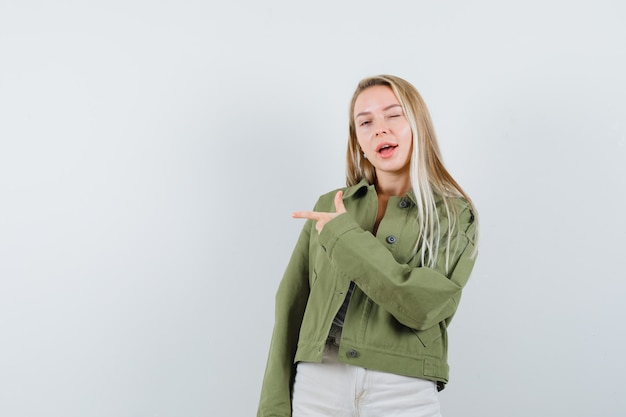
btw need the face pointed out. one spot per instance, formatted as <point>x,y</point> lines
<point>382,130</point>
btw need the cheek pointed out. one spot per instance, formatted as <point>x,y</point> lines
<point>406,134</point>
<point>362,142</point>
<point>407,138</point>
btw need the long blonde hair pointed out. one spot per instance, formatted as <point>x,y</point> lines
<point>429,176</point>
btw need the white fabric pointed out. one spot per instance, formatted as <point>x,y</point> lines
<point>334,389</point>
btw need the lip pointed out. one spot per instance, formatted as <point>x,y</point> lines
<point>384,145</point>
<point>386,149</point>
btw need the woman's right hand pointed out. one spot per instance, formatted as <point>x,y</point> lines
<point>322,217</point>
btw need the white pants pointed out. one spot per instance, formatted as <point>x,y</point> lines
<point>334,389</point>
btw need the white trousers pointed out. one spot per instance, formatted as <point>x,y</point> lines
<point>334,389</point>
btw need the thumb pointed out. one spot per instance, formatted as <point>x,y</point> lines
<point>339,207</point>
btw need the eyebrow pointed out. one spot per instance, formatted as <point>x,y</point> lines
<point>385,109</point>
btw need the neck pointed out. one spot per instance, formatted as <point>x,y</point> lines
<point>393,185</point>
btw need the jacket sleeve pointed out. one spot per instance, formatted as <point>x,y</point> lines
<point>418,297</point>
<point>291,299</point>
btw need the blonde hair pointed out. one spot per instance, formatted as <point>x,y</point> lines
<point>429,177</point>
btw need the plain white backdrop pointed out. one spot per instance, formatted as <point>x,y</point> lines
<point>151,153</point>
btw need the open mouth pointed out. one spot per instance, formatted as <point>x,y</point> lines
<point>386,149</point>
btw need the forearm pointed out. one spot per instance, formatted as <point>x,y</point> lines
<point>418,297</point>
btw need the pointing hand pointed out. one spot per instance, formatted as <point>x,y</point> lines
<point>322,217</point>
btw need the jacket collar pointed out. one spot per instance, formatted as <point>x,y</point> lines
<point>358,190</point>
<point>362,188</point>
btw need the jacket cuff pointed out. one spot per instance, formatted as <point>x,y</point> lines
<point>334,229</point>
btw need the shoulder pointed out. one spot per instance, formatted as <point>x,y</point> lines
<point>466,217</point>
<point>457,208</point>
<point>463,208</point>
<point>326,200</point>
<point>355,191</point>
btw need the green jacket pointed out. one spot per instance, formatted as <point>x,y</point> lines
<point>398,314</point>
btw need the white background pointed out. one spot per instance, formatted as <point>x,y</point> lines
<point>151,153</point>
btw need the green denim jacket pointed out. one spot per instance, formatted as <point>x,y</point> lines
<point>398,314</point>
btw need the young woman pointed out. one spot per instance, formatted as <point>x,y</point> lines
<point>376,275</point>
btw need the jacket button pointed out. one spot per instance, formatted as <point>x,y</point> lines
<point>352,353</point>
<point>391,239</point>
<point>403,204</point>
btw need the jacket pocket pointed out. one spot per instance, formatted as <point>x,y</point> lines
<point>429,335</point>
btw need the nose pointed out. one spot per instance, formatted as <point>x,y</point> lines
<point>380,131</point>
<point>381,128</point>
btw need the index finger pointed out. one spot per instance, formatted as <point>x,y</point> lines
<point>311,215</point>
